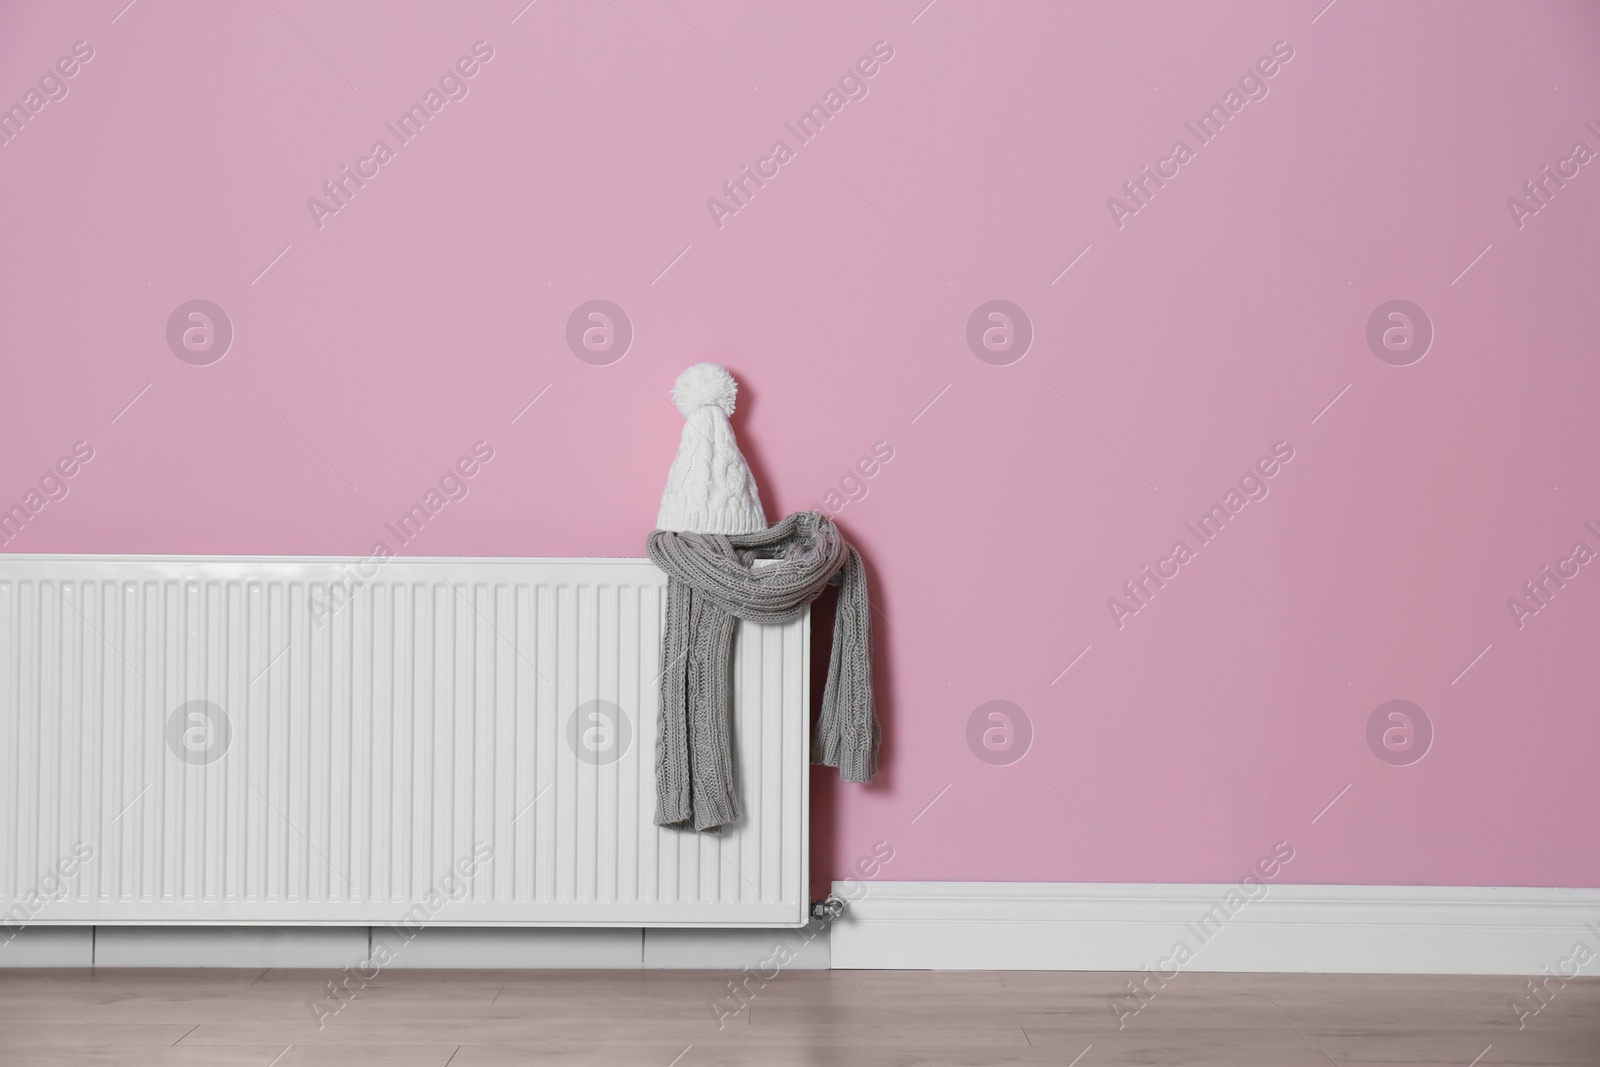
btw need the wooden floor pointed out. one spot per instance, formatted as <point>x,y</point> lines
<point>838,1018</point>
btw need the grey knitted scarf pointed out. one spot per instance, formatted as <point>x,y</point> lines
<point>711,582</point>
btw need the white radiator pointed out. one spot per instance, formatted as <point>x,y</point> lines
<point>457,741</point>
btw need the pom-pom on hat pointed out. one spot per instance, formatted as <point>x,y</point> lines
<point>709,489</point>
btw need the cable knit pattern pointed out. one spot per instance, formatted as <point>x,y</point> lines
<point>711,582</point>
<point>709,487</point>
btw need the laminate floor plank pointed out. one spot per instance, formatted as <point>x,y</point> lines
<point>458,1018</point>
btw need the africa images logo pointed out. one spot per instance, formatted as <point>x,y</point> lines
<point>1252,85</point>
<point>452,85</point>
<point>199,732</point>
<point>1252,486</point>
<point>199,332</point>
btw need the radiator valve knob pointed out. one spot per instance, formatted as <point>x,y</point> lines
<point>829,909</point>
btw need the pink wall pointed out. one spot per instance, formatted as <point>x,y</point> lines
<point>1186,340</point>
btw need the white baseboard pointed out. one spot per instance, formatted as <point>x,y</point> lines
<point>954,926</point>
<point>332,947</point>
<point>47,946</point>
<point>515,948</point>
<point>336,947</point>
<point>737,950</point>
<point>1307,928</point>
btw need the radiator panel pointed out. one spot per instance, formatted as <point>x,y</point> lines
<point>334,758</point>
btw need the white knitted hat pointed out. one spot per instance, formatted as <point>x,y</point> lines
<point>709,489</point>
